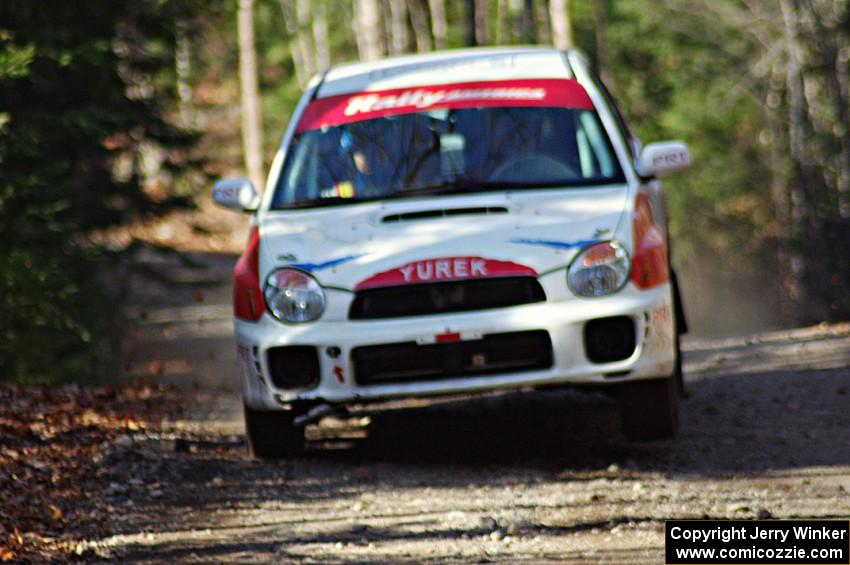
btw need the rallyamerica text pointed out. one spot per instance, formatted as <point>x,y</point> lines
<point>726,534</point>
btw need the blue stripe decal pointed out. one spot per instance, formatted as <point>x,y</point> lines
<point>556,244</point>
<point>312,267</point>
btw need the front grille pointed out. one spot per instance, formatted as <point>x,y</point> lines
<point>494,354</point>
<point>444,297</point>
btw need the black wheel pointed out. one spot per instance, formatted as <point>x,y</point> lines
<point>650,409</point>
<point>271,435</point>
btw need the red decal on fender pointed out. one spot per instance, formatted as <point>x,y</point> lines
<point>347,108</point>
<point>445,269</point>
<point>339,374</point>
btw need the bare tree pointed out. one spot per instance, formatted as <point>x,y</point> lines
<point>778,185</point>
<point>515,18</point>
<point>252,130</point>
<point>320,37</point>
<point>438,23</point>
<point>797,65</point>
<point>398,28</point>
<point>481,12</point>
<point>469,23</point>
<point>798,129</point>
<point>367,29</point>
<point>385,27</point>
<point>544,28</point>
<point>503,23</point>
<point>304,38</point>
<point>291,24</point>
<point>600,18</point>
<point>183,68</point>
<point>559,17</point>
<point>529,22</point>
<point>829,48</point>
<point>421,30</point>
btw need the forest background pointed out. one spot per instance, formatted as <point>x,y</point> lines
<point>116,117</point>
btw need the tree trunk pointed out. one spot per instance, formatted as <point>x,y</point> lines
<point>385,31</point>
<point>559,16</point>
<point>828,43</point>
<point>320,37</point>
<point>529,23</point>
<point>779,184</point>
<point>438,23</point>
<point>469,23</point>
<point>291,25</point>
<point>842,73</point>
<point>183,68</point>
<point>305,40</point>
<point>503,24</point>
<point>421,30</point>
<point>252,128</point>
<point>398,29</point>
<point>600,19</point>
<point>797,128</point>
<point>481,22</point>
<point>513,18</point>
<point>368,30</point>
<point>544,27</point>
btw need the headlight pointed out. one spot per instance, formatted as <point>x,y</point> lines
<point>599,270</point>
<point>294,296</point>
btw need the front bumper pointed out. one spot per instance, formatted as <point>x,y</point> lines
<point>564,320</point>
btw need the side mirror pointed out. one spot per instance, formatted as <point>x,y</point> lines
<point>663,158</point>
<point>236,194</point>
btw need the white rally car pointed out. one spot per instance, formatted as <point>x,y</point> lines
<point>456,222</point>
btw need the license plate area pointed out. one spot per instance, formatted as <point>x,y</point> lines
<point>493,354</point>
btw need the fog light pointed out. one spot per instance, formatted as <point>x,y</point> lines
<point>610,339</point>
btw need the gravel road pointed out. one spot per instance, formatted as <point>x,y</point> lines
<point>521,477</point>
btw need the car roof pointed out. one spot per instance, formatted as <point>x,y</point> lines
<point>446,67</point>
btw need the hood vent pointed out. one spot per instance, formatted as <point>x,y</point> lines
<point>443,213</point>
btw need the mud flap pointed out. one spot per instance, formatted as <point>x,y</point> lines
<point>681,319</point>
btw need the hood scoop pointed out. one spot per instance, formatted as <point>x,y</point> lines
<point>443,213</point>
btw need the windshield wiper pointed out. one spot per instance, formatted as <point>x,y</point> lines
<point>320,202</point>
<point>463,186</point>
<point>443,187</point>
<point>457,186</point>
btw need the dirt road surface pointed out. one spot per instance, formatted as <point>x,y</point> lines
<point>521,477</point>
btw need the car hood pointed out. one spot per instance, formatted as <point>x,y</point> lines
<point>389,242</point>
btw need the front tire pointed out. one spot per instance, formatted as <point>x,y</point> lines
<point>272,435</point>
<point>649,409</point>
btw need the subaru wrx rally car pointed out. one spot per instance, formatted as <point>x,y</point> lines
<point>456,222</point>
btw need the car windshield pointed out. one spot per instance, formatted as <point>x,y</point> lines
<point>445,151</point>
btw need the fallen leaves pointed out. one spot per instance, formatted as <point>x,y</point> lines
<point>51,437</point>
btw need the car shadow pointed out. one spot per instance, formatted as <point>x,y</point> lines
<point>730,423</point>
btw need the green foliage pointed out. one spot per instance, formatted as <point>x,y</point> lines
<point>78,89</point>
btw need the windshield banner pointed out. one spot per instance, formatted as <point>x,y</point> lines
<point>347,108</point>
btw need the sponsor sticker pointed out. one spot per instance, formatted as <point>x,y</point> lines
<point>445,269</point>
<point>347,108</point>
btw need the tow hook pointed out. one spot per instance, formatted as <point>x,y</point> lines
<point>316,413</point>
